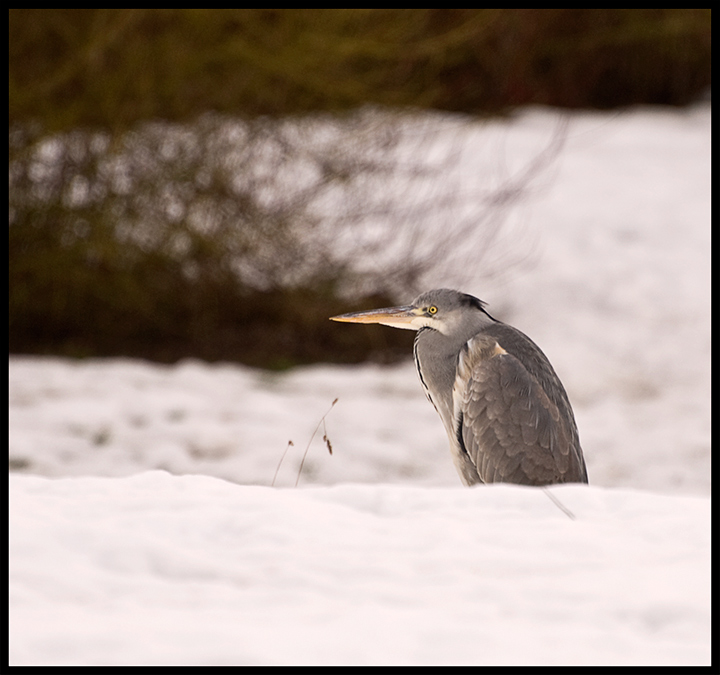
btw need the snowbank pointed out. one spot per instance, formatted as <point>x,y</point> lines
<point>160,569</point>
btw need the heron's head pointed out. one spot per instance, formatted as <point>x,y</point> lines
<point>448,312</point>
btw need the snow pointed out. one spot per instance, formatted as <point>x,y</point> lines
<point>144,528</point>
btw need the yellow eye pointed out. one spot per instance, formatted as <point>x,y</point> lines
<point>432,310</point>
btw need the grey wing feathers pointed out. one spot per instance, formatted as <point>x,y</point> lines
<point>508,422</point>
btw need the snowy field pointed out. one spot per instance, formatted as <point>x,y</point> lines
<point>144,528</point>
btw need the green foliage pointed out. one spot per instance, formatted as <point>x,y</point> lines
<point>176,241</point>
<point>110,68</point>
<point>591,58</point>
<point>145,222</point>
<point>74,290</point>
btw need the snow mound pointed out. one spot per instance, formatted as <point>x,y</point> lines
<point>161,569</point>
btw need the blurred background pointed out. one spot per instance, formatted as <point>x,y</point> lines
<point>216,183</point>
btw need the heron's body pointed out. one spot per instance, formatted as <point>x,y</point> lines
<point>506,413</point>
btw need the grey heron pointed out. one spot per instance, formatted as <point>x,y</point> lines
<point>506,413</point>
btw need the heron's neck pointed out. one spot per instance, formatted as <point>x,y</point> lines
<point>436,360</point>
<point>436,357</point>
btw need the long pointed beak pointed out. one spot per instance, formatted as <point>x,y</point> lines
<point>397,317</point>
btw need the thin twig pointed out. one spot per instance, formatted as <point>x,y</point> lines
<point>322,421</point>
<point>287,447</point>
